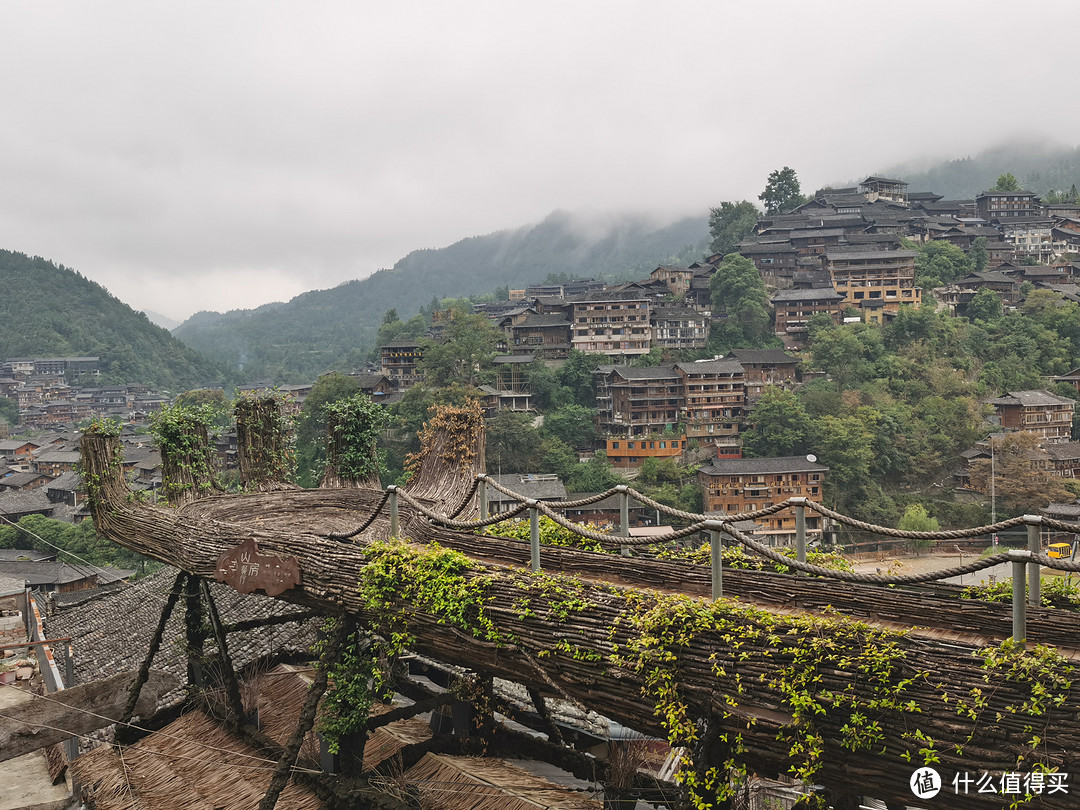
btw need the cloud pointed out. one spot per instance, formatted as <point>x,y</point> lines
<point>222,155</point>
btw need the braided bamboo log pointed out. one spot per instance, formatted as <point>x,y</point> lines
<point>719,678</point>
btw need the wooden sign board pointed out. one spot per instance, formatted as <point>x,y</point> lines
<point>247,569</point>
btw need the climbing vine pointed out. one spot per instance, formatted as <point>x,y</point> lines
<point>1056,592</point>
<point>187,465</point>
<point>352,426</point>
<point>348,699</point>
<point>551,533</point>
<point>839,680</point>
<point>267,442</point>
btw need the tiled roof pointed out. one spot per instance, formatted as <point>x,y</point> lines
<point>762,356</point>
<point>24,502</point>
<point>752,466</point>
<point>722,366</point>
<point>645,372</point>
<point>540,488</point>
<point>534,320</point>
<point>112,633</point>
<point>1030,399</point>
<point>1063,451</point>
<point>813,294</point>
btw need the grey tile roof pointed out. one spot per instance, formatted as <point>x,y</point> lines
<point>1030,399</point>
<point>534,320</point>
<point>763,356</point>
<point>541,488</point>
<point>813,294</point>
<point>24,502</point>
<point>1063,451</point>
<point>646,372</point>
<point>754,466</point>
<point>112,633</point>
<point>722,366</point>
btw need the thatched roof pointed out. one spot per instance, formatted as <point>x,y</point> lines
<point>470,783</point>
<point>191,764</point>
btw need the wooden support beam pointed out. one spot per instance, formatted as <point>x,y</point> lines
<point>43,721</point>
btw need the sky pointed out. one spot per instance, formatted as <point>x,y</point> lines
<point>222,155</point>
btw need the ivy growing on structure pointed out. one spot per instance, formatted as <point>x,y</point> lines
<point>182,433</point>
<point>264,430</point>
<point>828,672</point>
<point>352,425</point>
<point>347,702</point>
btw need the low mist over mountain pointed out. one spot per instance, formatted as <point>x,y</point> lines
<point>1039,167</point>
<point>47,310</point>
<point>324,329</point>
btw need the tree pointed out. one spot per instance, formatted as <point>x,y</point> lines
<point>572,424</point>
<point>594,475</point>
<point>577,375</point>
<point>1007,182</point>
<point>985,305</point>
<point>739,298</point>
<point>512,444</point>
<point>839,352</point>
<point>979,256</point>
<point>782,192</point>
<point>939,262</point>
<point>311,426</point>
<point>1020,482</point>
<point>917,519</point>
<point>730,224</point>
<point>466,348</point>
<point>778,426</point>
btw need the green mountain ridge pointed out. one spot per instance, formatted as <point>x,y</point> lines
<point>1039,167</point>
<point>324,329</point>
<point>48,310</point>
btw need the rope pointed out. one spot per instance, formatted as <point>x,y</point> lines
<point>467,499</point>
<point>947,534</point>
<point>371,519</point>
<point>698,524</point>
<point>878,579</point>
<point>615,540</point>
<point>556,504</point>
<point>444,520</point>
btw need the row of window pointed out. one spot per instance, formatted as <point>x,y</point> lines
<point>665,444</point>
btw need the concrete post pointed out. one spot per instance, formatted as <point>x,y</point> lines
<point>800,530</point>
<point>534,534</point>
<point>1019,633</point>
<point>1034,532</point>
<point>481,490</point>
<point>716,557</point>
<point>395,529</point>
<point>624,515</point>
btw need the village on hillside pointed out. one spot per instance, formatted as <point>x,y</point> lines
<point>845,256</point>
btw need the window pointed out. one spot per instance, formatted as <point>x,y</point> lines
<point>615,445</point>
<point>629,445</point>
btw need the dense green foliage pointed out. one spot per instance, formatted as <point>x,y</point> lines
<point>730,223</point>
<point>73,543</point>
<point>782,192</point>
<point>739,298</point>
<point>48,310</point>
<point>1037,167</point>
<point>325,329</point>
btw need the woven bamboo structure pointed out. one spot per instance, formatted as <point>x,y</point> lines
<point>728,674</point>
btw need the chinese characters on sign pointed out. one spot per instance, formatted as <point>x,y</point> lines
<point>926,783</point>
<point>247,569</point>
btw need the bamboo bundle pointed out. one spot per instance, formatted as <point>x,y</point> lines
<point>723,666</point>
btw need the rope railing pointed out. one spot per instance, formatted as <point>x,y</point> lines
<point>1025,563</point>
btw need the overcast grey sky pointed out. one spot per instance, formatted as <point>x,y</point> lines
<point>220,155</point>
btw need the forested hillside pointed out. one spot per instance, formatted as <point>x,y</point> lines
<point>48,310</point>
<point>1039,168</point>
<point>325,329</point>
